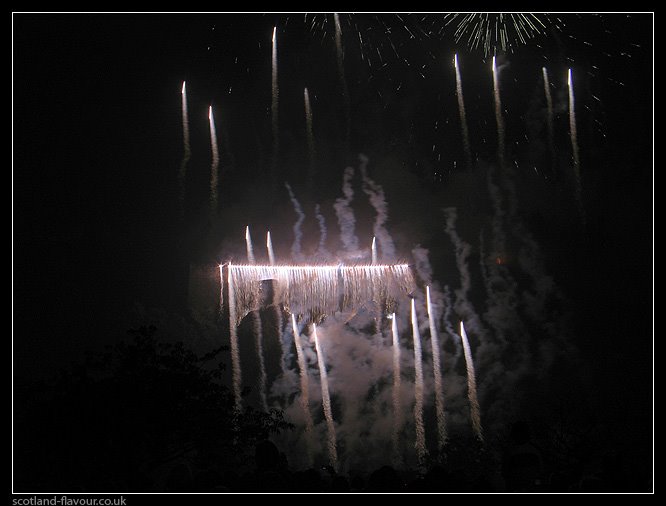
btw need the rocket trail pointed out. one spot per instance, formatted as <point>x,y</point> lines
<point>274,101</point>
<point>269,248</point>
<point>397,413</point>
<point>248,246</point>
<point>233,339</point>
<point>574,146</point>
<point>475,412</point>
<point>420,444</point>
<point>258,331</point>
<point>341,74</point>
<point>215,162</point>
<point>463,115</point>
<point>498,117</point>
<point>310,138</point>
<point>187,153</point>
<point>326,398</point>
<point>305,388</point>
<point>550,122</point>
<point>437,371</point>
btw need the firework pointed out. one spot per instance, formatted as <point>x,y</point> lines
<point>326,399</point>
<point>499,31</point>
<point>420,443</point>
<point>437,371</point>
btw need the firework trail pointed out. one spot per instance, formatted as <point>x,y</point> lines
<point>397,413</point>
<point>248,245</point>
<point>374,251</point>
<point>258,342</point>
<point>233,339</point>
<point>420,444</point>
<point>436,364</point>
<point>475,411</point>
<point>574,146</point>
<point>345,213</point>
<point>463,115</point>
<point>276,307</point>
<point>498,116</point>
<point>305,388</point>
<point>326,398</point>
<point>221,309</point>
<point>269,248</point>
<point>274,101</point>
<point>215,162</point>
<point>341,73</point>
<point>258,331</point>
<point>321,247</point>
<point>296,252</point>
<point>550,122</point>
<point>310,137</point>
<point>377,199</point>
<point>187,153</point>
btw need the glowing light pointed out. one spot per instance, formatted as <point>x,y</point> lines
<point>248,245</point>
<point>183,90</point>
<point>318,290</point>
<point>269,247</point>
<point>326,399</point>
<point>397,413</point>
<point>475,411</point>
<point>305,388</point>
<point>418,390</point>
<point>437,372</point>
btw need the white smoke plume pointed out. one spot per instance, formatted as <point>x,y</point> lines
<point>345,213</point>
<point>296,252</point>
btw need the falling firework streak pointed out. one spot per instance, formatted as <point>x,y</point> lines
<point>418,390</point>
<point>397,414</point>
<point>221,307</point>
<point>215,162</point>
<point>258,342</point>
<point>326,399</point>
<point>186,152</point>
<point>315,289</point>
<point>310,137</point>
<point>341,73</point>
<point>475,411</point>
<point>463,115</point>
<point>274,101</point>
<point>248,246</point>
<point>498,116</point>
<point>549,123</point>
<point>437,371</point>
<point>305,388</point>
<point>258,331</point>
<point>574,146</point>
<point>233,338</point>
<point>269,247</point>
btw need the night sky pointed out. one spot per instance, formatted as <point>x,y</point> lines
<point>100,244</point>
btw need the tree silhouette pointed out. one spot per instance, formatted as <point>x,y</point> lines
<point>130,416</point>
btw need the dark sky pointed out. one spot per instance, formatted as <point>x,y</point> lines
<point>97,146</point>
